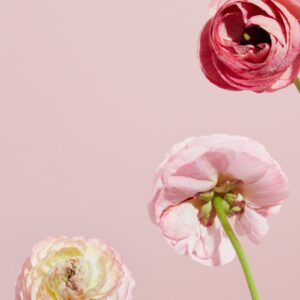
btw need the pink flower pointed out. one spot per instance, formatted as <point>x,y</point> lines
<point>61,268</point>
<point>236,168</point>
<point>251,45</point>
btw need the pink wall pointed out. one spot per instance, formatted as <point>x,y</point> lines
<point>93,93</point>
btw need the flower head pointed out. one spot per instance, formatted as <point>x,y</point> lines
<point>65,269</point>
<point>251,44</point>
<point>239,170</point>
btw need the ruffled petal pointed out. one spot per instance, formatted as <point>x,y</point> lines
<point>181,188</point>
<point>246,168</point>
<point>215,240</point>
<point>180,222</point>
<point>270,190</point>
<point>287,77</point>
<point>207,56</point>
<point>293,6</point>
<point>254,225</point>
<point>206,245</point>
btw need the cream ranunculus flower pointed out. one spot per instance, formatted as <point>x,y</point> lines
<point>74,269</point>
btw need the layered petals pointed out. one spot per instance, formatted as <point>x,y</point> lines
<point>207,245</point>
<point>223,164</point>
<point>253,224</point>
<point>293,6</point>
<point>250,45</point>
<point>64,269</point>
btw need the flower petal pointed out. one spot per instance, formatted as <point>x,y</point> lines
<point>206,56</point>
<point>212,238</point>
<point>270,190</point>
<point>180,222</point>
<point>289,75</point>
<point>247,168</point>
<point>207,245</point>
<point>253,224</point>
<point>181,188</point>
<point>293,6</point>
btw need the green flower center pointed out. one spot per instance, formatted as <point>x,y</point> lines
<point>233,201</point>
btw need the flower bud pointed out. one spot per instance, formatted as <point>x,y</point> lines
<point>226,187</point>
<point>230,198</point>
<point>208,196</point>
<point>236,209</point>
<point>206,209</point>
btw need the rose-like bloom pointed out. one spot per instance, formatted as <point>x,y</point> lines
<point>251,45</point>
<point>74,269</point>
<point>235,168</point>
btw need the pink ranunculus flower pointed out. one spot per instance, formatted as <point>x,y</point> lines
<point>77,269</point>
<point>251,44</point>
<point>239,170</point>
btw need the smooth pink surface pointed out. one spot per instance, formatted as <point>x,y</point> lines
<point>92,94</point>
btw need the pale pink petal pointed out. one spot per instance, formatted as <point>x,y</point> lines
<point>21,292</point>
<point>180,187</point>
<point>247,168</point>
<point>239,144</point>
<point>172,155</point>
<point>189,149</point>
<point>207,245</point>
<point>245,159</point>
<point>204,168</point>
<point>269,210</point>
<point>253,224</point>
<point>125,290</point>
<point>180,222</point>
<point>213,248</point>
<point>270,190</point>
<point>239,228</point>
<point>153,206</point>
<point>159,204</point>
<point>193,170</point>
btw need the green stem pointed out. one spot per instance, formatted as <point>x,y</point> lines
<point>297,84</point>
<point>218,204</point>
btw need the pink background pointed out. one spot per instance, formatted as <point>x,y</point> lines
<point>93,93</point>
